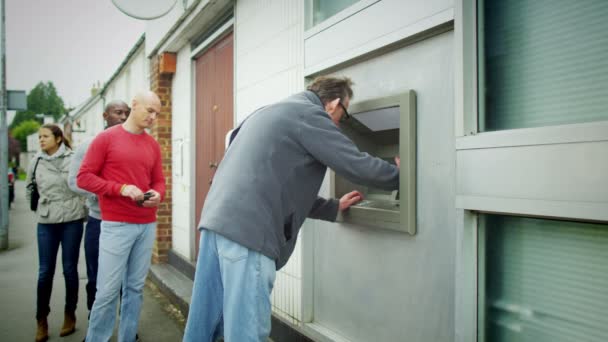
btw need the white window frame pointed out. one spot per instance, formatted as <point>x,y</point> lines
<point>317,62</point>
<point>469,296</point>
<point>468,136</point>
<point>334,19</point>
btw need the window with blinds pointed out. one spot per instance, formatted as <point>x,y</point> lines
<point>323,9</point>
<point>542,62</point>
<point>542,280</point>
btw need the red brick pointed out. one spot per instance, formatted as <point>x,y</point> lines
<point>161,84</point>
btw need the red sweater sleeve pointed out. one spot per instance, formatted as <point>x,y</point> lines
<point>158,179</point>
<point>88,175</point>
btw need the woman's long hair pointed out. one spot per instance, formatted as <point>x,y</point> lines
<point>58,133</point>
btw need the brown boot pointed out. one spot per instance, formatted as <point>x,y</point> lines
<point>42,334</point>
<point>69,324</point>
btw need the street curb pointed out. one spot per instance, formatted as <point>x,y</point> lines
<point>176,286</point>
<point>174,282</point>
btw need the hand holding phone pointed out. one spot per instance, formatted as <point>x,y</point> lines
<point>147,196</point>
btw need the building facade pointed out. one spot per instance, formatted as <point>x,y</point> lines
<point>509,234</point>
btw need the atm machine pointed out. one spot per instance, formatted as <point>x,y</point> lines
<point>385,128</point>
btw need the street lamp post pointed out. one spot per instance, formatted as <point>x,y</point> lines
<point>3,138</point>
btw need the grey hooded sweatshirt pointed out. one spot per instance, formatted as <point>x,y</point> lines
<point>267,183</point>
<point>92,201</point>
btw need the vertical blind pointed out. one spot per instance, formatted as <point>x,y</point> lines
<point>542,62</point>
<point>545,280</point>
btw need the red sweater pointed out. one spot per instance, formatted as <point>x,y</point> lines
<point>116,157</point>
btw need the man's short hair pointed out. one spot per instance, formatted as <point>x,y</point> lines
<point>115,103</point>
<point>329,88</point>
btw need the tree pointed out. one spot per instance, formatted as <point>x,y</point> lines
<point>24,129</point>
<point>21,116</point>
<point>14,149</point>
<point>43,99</point>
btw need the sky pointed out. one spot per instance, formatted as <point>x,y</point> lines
<point>73,43</point>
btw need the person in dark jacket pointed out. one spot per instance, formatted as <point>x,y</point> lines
<point>265,187</point>
<point>60,217</point>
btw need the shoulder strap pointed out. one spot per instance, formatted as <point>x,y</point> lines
<point>34,173</point>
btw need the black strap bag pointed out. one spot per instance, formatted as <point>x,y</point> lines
<point>33,187</point>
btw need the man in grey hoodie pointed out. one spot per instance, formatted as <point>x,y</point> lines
<point>265,187</point>
<point>115,113</point>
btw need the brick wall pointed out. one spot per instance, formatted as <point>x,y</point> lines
<point>161,78</point>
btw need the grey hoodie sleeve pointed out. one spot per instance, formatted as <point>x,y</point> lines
<point>324,209</point>
<point>326,143</point>
<point>75,163</point>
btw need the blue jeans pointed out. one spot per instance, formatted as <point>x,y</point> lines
<point>231,294</point>
<point>50,236</point>
<point>125,252</point>
<point>91,253</point>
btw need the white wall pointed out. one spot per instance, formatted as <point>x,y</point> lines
<point>91,121</point>
<point>343,277</point>
<point>133,77</point>
<point>370,284</point>
<point>369,25</point>
<point>348,281</point>
<point>269,67</point>
<point>32,143</point>
<point>269,52</point>
<point>182,121</point>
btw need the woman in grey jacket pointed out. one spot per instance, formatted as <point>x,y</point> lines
<point>60,222</point>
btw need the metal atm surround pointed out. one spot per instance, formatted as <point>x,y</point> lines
<point>383,127</point>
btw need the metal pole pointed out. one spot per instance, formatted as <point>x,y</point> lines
<point>3,138</point>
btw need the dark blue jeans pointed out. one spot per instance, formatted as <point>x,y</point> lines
<point>50,236</point>
<point>91,253</point>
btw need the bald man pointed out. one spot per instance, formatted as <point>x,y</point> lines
<point>115,113</point>
<point>123,167</point>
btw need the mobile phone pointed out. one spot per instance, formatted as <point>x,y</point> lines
<point>147,196</point>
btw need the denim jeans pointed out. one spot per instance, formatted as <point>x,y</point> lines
<point>91,253</point>
<point>125,252</point>
<point>231,294</point>
<point>50,236</point>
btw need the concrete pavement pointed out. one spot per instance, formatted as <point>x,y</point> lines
<point>160,321</point>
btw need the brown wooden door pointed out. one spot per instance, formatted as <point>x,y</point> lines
<point>214,115</point>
